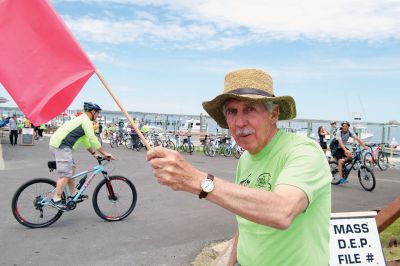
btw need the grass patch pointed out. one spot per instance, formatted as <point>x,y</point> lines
<point>388,237</point>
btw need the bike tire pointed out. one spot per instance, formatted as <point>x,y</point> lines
<point>335,173</point>
<point>129,144</point>
<point>113,143</point>
<point>107,201</point>
<point>383,161</point>
<point>170,145</point>
<point>30,192</point>
<point>368,160</point>
<point>206,150</point>
<point>211,151</point>
<point>367,178</point>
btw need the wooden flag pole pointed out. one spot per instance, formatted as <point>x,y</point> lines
<point>123,110</point>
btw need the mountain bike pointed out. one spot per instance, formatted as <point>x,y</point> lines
<point>365,175</point>
<point>376,156</point>
<point>114,198</point>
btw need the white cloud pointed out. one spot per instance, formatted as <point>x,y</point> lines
<point>227,23</point>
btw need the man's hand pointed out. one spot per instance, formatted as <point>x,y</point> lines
<point>108,156</point>
<point>171,169</point>
<point>347,153</point>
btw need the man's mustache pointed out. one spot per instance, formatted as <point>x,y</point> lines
<point>244,131</point>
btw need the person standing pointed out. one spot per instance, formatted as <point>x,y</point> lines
<point>282,192</point>
<point>13,130</point>
<point>322,133</point>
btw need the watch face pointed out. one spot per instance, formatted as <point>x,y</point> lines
<point>207,185</point>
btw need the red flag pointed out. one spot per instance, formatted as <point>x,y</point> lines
<point>41,65</point>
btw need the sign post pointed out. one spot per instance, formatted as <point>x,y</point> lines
<point>355,240</point>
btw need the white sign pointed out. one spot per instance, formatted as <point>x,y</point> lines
<point>355,240</point>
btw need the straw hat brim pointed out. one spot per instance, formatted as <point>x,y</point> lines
<point>287,106</point>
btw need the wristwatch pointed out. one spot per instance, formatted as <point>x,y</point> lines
<point>207,185</point>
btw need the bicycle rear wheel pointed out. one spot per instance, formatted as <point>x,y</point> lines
<point>335,172</point>
<point>114,199</point>
<point>383,161</point>
<point>366,178</point>
<point>29,203</point>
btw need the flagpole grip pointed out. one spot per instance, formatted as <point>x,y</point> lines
<point>123,110</point>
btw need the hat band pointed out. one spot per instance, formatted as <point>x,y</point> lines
<point>251,91</point>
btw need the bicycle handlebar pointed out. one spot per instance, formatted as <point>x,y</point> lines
<point>101,159</point>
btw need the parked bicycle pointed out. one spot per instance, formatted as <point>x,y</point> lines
<point>365,175</point>
<point>114,198</point>
<point>376,156</point>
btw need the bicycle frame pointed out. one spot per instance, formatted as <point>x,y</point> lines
<point>95,170</point>
<point>375,153</point>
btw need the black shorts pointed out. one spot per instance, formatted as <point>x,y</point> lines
<point>323,145</point>
<point>339,154</point>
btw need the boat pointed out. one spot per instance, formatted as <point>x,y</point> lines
<point>192,124</point>
<point>360,128</point>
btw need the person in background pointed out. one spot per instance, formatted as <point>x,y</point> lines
<point>332,131</point>
<point>42,128</point>
<point>282,192</point>
<point>322,133</point>
<point>134,135</point>
<point>20,126</point>
<point>13,130</point>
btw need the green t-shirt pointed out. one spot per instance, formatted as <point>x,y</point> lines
<point>75,132</point>
<point>288,159</point>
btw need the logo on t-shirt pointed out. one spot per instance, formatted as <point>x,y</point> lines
<point>262,181</point>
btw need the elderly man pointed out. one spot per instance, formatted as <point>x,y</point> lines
<point>282,193</point>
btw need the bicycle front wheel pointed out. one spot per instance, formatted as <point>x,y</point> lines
<point>368,161</point>
<point>30,203</point>
<point>114,198</point>
<point>383,161</point>
<point>366,178</point>
<point>335,172</point>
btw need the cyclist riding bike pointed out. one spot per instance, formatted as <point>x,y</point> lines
<point>121,129</point>
<point>339,150</point>
<point>66,139</point>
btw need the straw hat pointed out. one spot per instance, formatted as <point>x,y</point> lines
<point>249,85</point>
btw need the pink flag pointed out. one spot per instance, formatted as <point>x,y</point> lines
<point>41,65</point>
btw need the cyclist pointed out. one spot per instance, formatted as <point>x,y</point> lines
<point>339,150</point>
<point>67,138</point>
<point>121,129</point>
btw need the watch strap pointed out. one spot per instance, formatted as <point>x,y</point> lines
<point>204,194</point>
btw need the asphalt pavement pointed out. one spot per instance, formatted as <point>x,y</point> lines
<point>166,227</point>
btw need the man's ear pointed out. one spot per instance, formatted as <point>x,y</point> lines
<point>275,113</point>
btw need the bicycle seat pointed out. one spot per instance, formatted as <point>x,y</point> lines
<point>52,165</point>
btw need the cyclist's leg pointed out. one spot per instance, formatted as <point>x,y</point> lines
<point>65,167</point>
<point>339,154</point>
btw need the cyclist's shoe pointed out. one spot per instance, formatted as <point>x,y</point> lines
<point>59,204</point>
<point>343,181</point>
<point>80,198</point>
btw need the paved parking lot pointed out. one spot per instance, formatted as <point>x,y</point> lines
<point>166,227</point>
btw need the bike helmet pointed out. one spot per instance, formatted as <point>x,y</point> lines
<point>89,106</point>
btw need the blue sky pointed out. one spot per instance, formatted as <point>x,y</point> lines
<point>333,57</point>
